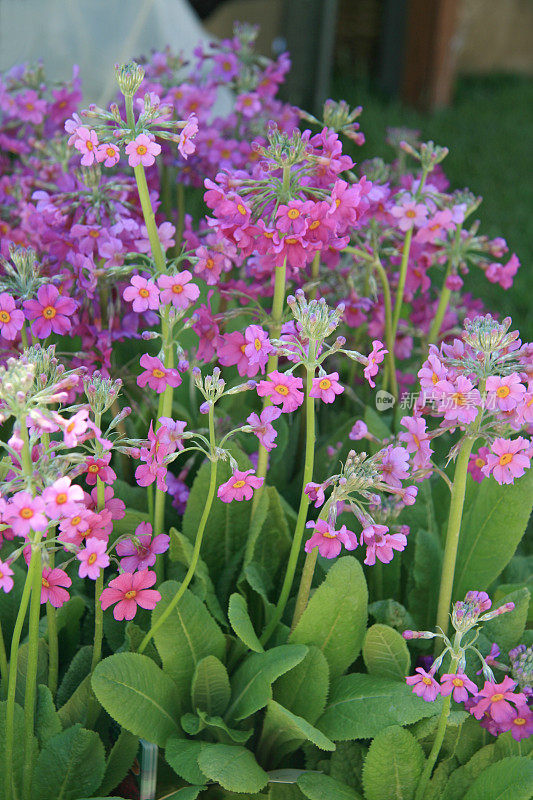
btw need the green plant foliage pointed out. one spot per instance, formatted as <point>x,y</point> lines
<point>508,629</point>
<point>508,779</point>
<point>284,731</point>
<point>194,723</point>
<point>251,685</point>
<point>119,761</point>
<point>210,690</point>
<point>47,721</point>
<point>393,765</point>
<point>234,768</point>
<point>321,787</point>
<point>490,532</point>
<point>462,778</point>
<point>138,695</point>
<point>188,635</point>
<point>72,763</point>
<point>242,624</point>
<point>182,755</point>
<point>22,668</point>
<point>18,750</point>
<point>425,572</point>
<point>335,618</point>
<point>269,538</point>
<point>385,652</point>
<point>304,689</point>
<point>180,551</point>
<point>78,669</point>
<point>360,706</point>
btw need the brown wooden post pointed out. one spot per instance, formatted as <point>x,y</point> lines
<point>430,53</point>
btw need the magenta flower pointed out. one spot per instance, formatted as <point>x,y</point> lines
<point>424,685</point>
<point>178,290</point>
<point>54,586</point>
<point>86,142</point>
<point>432,371</point>
<point>99,468</point>
<point>142,293</point>
<point>142,150</point>
<point>521,725</point>
<point>507,460</point>
<point>142,554</point>
<point>240,486</point>
<point>459,401</point>
<point>328,540</point>
<point>109,154</point>
<point>409,214</point>
<point>326,388</point>
<point>156,375</point>
<point>25,513</point>
<point>491,658</point>
<point>282,390</point>
<point>394,465</point>
<point>231,351</point>
<point>50,312</point>
<point>262,426</point>
<point>185,145</point>
<point>75,427</point>
<point>504,393</point>
<point>171,432</point>
<point>129,591</point>
<point>62,499</point>
<point>257,346</point>
<point>495,700</point>
<point>416,440</point>
<point>315,493</point>
<point>476,463</point>
<point>381,544</point>
<point>459,684</point>
<point>11,319</point>
<point>374,358</point>
<point>6,581</point>
<point>146,474</point>
<point>93,558</point>
<point>359,431</point>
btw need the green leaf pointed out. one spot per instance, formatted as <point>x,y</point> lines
<point>131,519</point>
<point>360,706</point>
<point>242,624</point>
<point>119,761</point>
<point>219,728</point>
<point>181,550</point>
<point>270,537</point>
<point>10,602</point>
<point>182,755</point>
<point>304,690</point>
<point>210,690</point>
<point>22,668</point>
<point>284,732</point>
<point>393,765</point>
<point>321,787</point>
<point>507,630</point>
<point>227,528</point>
<point>47,721</point>
<point>134,638</point>
<point>385,653</point>
<point>75,709</point>
<point>70,765</point>
<point>346,763</point>
<point>425,572</point>
<point>251,685</point>
<point>234,768</point>
<point>462,778</point>
<point>335,618</point>
<point>18,748</point>
<point>508,779</point>
<point>491,531</point>
<point>138,695</point>
<point>187,793</point>
<point>188,635</point>
<point>79,668</point>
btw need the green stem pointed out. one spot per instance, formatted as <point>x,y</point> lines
<point>437,744</point>
<point>53,644</point>
<point>275,330</point>
<point>389,338</point>
<point>307,575</point>
<point>445,293</point>
<point>33,656</point>
<point>302,511</point>
<point>452,534</point>
<point>315,274</point>
<point>3,657</point>
<point>401,283</point>
<point>198,542</point>
<point>94,706</point>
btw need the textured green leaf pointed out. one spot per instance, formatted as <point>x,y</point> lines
<point>346,764</point>
<point>75,709</point>
<point>507,630</point>
<point>270,537</point>
<point>182,755</point>
<point>462,778</point>
<point>18,749</point>
<point>22,668</point>
<point>78,669</point>
<point>506,746</point>
<point>508,779</point>
<point>70,765</point>
<point>188,635</point>
<point>321,787</point>
<point>491,531</point>
<point>304,690</point>
<point>119,761</point>
<point>227,528</point>
<point>210,690</point>
<point>242,624</point>
<point>131,519</point>
<point>181,550</point>
<point>284,732</point>
<point>234,768</point>
<point>224,733</point>
<point>360,706</point>
<point>335,618</point>
<point>187,793</point>
<point>251,685</point>
<point>393,765</point>
<point>47,721</point>
<point>425,572</point>
<point>138,695</point>
<point>385,652</point>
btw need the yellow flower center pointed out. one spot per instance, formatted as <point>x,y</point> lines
<point>75,520</point>
<point>110,153</point>
<point>210,263</point>
<point>92,558</point>
<point>177,288</point>
<point>144,292</point>
<point>427,681</point>
<point>4,316</point>
<point>519,721</point>
<point>293,213</point>
<point>26,513</point>
<point>434,378</point>
<point>503,391</point>
<point>314,224</point>
<point>94,234</point>
<point>93,468</point>
<point>480,463</point>
<point>411,214</point>
<point>416,440</point>
<point>70,427</point>
<point>291,240</point>
<point>325,383</point>
<point>239,484</point>
<point>257,344</point>
<point>158,373</point>
<point>130,595</point>
<point>61,499</point>
<point>49,312</point>
<point>281,389</point>
<point>458,682</point>
<point>89,145</point>
<point>329,535</point>
<point>45,583</point>
<point>506,459</point>
<point>241,209</point>
<point>459,399</point>
<point>141,149</point>
<point>496,698</point>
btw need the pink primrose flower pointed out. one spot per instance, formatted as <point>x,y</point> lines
<point>495,700</point>
<point>381,544</point>
<point>409,214</point>
<point>156,375</point>
<point>86,142</point>
<point>374,358</point>
<point>99,468</point>
<point>129,591</point>
<point>257,346</point>
<point>185,144</point>
<point>476,463</point>
<point>108,153</point>
<point>11,318</point>
<point>262,426</point>
<point>504,393</point>
<point>508,459</point>
<point>62,499</point>
<point>141,554</point>
<point>459,400</point>
<point>240,486</point>
<point>6,581</point>
<point>142,293</point>
<point>394,465</point>
<point>328,540</point>
<point>424,685</point>
<point>50,312</point>
<point>93,558</point>
<point>25,513</point>
<point>326,388</point>
<point>283,389</point>
<point>177,289</point>
<point>460,684</point>
<point>521,725</point>
<point>142,150</point>
<point>359,431</point>
<point>416,440</point>
<point>54,585</point>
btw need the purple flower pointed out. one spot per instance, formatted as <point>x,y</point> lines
<point>326,388</point>
<point>424,685</point>
<point>50,312</point>
<point>240,486</point>
<point>262,426</point>
<point>11,319</point>
<point>328,540</point>
<point>459,684</point>
<point>156,375</point>
<point>142,554</point>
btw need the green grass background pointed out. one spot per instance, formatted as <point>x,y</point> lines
<point>489,132</point>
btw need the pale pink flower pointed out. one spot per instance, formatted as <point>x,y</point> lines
<point>129,591</point>
<point>142,150</point>
<point>171,432</point>
<point>62,499</point>
<point>459,400</point>
<point>50,312</point>
<point>394,465</point>
<point>359,431</point>
<point>424,685</point>
<point>240,486</point>
<point>283,390</point>
<point>328,540</point>
<point>504,393</point>
<point>185,145</point>
<point>54,585</point>
<point>156,375</point>
<point>25,513</point>
<point>11,319</point>
<point>142,293</point>
<point>75,427</point>
<point>431,372</point>
<point>93,558</point>
<point>86,142</point>
<point>374,358</point>
<point>108,153</point>
<point>143,553</point>
<point>6,581</point>
<point>262,426</point>
<point>507,459</point>
<point>409,214</point>
<point>178,290</point>
<point>416,440</point>
<point>326,388</point>
<point>381,544</point>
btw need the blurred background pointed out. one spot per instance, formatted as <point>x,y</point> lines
<point>458,71</point>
